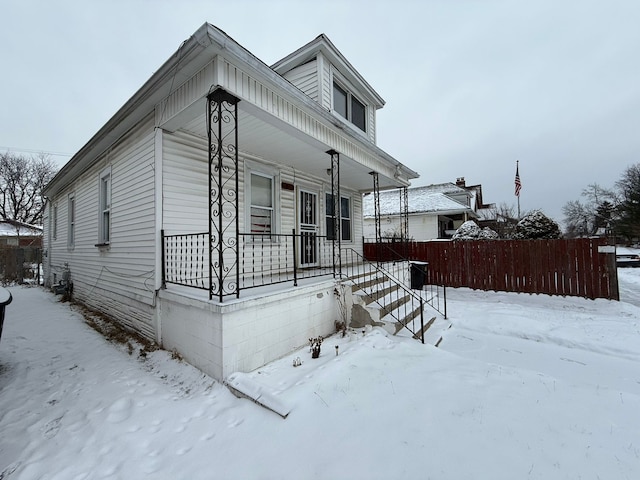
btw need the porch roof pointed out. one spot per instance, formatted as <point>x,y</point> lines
<point>262,134</point>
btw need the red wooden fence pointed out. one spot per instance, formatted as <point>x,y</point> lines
<point>554,267</point>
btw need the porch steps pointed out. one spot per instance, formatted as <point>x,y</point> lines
<point>371,281</point>
<point>399,325</point>
<point>378,294</point>
<point>395,305</point>
<point>381,295</point>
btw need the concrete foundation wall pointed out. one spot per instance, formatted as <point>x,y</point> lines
<point>243,335</point>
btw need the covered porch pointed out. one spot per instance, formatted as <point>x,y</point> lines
<point>282,200</point>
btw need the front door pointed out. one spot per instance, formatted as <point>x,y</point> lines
<point>308,227</point>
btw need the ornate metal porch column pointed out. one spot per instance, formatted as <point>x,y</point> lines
<point>376,205</point>
<point>335,195</point>
<point>404,221</point>
<point>222,127</point>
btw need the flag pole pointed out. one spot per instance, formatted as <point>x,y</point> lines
<point>518,185</point>
<point>518,175</point>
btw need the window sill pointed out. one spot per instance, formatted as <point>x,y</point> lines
<point>102,245</point>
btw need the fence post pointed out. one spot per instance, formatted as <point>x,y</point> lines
<point>295,258</point>
<point>421,319</point>
<point>612,270</point>
<point>444,290</point>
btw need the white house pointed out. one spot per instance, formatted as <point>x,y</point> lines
<point>213,211</point>
<point>434,211</point>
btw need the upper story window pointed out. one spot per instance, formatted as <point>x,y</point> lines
<point>348,106</point>
<point>104,230</point>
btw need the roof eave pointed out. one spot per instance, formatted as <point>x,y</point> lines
<point>322,44</point>
<point>139,105</point>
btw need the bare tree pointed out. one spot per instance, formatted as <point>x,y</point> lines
<point>578,219</point>
<point>22,180</point>
<point>628,223</point>
<point>506,219</point>
<point>584,218</point>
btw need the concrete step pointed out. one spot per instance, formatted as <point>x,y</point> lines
<point>383,292</point>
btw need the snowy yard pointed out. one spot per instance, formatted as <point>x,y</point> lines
<point>522,386</point>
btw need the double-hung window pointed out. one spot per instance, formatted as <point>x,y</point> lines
<point>71,218</point>
<point>262,201</point>
<point>104,220</point>
<point>349,107</point>
<point>344,219</point>
<point>54,221</point>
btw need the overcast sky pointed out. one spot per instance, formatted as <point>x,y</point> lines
<point>471,86</point>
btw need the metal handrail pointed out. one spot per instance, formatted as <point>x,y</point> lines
<point>389,307</point>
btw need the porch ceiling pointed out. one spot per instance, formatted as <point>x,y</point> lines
<point>276,142</point>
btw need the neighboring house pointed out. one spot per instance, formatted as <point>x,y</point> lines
<point>220,178</point>
<point>434,211</point>
<point>487,213</point>
<point>14,234</point>
<point>20,251</point>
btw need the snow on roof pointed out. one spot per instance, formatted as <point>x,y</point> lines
<point>10,229</point>
<point>447,187</point>
<point>431,198</point>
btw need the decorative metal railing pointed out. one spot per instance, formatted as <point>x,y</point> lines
<point>185,260</point>
<point>394,300</point>
<point>367,273</point>
<point>395,254</point>
<point>264,259</point>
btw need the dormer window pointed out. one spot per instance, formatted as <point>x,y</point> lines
<point>349,107</point>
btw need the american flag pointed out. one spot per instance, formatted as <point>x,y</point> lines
<point>518,183</point>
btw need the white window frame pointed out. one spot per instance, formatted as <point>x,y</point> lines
<point>254,168</point>
<point>54,221</point>
<point>104,207</point>
<point>348,219</point>
<point>328,199</point>
<point>350,98</point>
<point>71,220</point>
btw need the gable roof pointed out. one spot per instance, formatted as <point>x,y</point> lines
<point>192,55</point>
<point>322,44</point>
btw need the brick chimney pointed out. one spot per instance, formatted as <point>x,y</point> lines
<point>460,182</point>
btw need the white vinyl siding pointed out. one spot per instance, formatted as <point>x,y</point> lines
<point>185,184</point>
<point>118,281</point>
<point>305,77</point>
<point>324,71</point>
<point>247,88</point>
<point>421,226</point>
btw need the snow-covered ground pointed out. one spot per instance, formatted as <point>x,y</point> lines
<point>522,386</point>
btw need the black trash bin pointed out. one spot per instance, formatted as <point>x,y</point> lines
<point>5,299</point>
<point>418,274</point>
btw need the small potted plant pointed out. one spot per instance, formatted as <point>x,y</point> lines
<point>314,344</point>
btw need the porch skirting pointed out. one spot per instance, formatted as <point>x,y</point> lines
<point>244,334</point>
